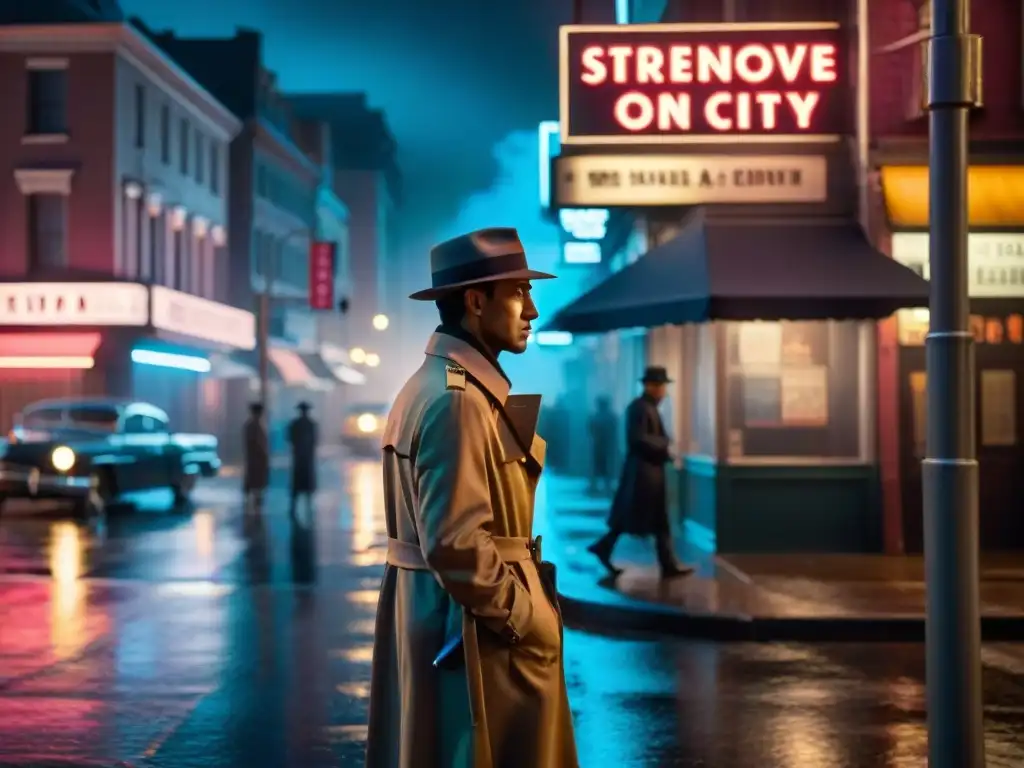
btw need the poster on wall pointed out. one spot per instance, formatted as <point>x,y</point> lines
<point>762,401</point>
<point>805,396</point>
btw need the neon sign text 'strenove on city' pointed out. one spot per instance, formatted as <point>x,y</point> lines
<point>680,83</point>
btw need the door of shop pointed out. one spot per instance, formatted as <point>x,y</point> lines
<point>999,403</point>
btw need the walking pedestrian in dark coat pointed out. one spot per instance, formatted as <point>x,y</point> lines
<point>640,507</point>
<point>303,438</point>
<point>256,474</point>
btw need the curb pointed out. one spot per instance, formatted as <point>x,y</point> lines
<point>606,618</point>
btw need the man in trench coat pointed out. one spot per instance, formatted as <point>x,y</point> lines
<point>256,445</point>
<point>467,663</point>
<point>640,506</point>
<point>303,438</point>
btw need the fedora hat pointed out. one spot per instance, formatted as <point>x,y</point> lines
<point>482,256</point>
<point>655,374</point>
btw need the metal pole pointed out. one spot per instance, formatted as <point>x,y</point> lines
<point>950,469</point>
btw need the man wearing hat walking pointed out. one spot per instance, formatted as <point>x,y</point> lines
<point>303,439</point>
<point>467,662</point>
<point>640,506</point>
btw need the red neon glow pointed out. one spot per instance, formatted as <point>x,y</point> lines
<point>321,275</point>
<point>50,344</point>
<point>704,81</point>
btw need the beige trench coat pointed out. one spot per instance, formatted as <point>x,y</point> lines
<point>456,489</point>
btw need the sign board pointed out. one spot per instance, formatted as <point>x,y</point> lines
<point>70,304</point>
<point>679,83</point>
<point>995,262</point>
<point>587,181</point>
<point>321,275</point>
<point>200,318</point>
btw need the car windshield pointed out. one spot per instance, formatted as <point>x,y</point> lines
<point>74,417</point>
<point>92,418</point>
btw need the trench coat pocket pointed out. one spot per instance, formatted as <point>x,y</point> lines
<point>535,658</point>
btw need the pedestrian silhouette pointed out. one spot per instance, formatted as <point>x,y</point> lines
<point>640,507</point>
<point>303,438</point>
<point>256,475</point>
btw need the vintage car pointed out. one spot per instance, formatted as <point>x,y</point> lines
<point>97,452</point>
<point>363,427</point>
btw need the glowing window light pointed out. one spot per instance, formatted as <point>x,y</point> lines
<point>584,223</point>
<point>548,146</point>
<point>170,360</point>
<point>622,11</point>
<point>75,362</point>
<point>581,253</point>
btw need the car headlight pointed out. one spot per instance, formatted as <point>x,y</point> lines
<point>62,458</point>
<point>367,423</point>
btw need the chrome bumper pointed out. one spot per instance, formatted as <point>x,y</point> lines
<point>33,482</point>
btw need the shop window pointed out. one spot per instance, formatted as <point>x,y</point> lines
<point>702,419</point>
<point>795,390</point>
<point>998,408</point>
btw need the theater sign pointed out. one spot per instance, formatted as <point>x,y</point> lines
<point>683,83</point>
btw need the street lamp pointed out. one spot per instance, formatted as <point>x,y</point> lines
<point>381,322</point>
<point>357,355</point>
<point>372,359</point>
<point>956,736</point>
<point>270,265</point>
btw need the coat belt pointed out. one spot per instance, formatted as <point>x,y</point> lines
<point>511,549</point>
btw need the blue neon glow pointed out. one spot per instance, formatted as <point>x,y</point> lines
<point>549,145</point>
<point>585,223</point>
<point>622,11</point>
<point>588,252</point>
<point>554,338</point>
<point>171,360</point>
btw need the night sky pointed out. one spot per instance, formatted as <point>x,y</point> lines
<point>453,76</point>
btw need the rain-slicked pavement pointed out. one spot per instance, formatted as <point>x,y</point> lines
<point>212,640</point>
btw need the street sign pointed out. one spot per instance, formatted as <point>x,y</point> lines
<point>321,275</point>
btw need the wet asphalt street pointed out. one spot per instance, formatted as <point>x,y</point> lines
<point>209,639</point>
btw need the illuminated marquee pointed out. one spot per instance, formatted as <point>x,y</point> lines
<point>701,83</point>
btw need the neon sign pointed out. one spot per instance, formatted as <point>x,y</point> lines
<point>701,83</point>
<point>584,223</point>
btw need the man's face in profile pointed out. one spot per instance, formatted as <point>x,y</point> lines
<point>505,317</point>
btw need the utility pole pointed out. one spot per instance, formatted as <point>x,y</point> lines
<point>271,262</point>
<point>950,469</point>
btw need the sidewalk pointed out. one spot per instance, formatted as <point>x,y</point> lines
<point>751,597</point>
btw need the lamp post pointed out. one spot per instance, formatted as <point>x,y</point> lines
<point>270,266</point>
<point>950,469</point>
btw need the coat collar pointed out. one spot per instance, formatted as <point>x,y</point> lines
<point>462,353</point>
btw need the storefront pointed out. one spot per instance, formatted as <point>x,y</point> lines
<point>760,291</point>
<point>996,284</point>
<point>123,340</point>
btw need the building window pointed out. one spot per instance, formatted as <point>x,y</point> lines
<point>200,163</point>
<point>47,230</point>
<point>215,168</point>
<point>184,143</point>
<point>165,134</point>
<point>47,101</point>
<point>140,116</point>
<point>157,242</point>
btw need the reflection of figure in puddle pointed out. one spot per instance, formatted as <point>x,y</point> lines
<point>302,437</point>
<point>256,476</point>
<point>640,507</point>
<point>602,446</point>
